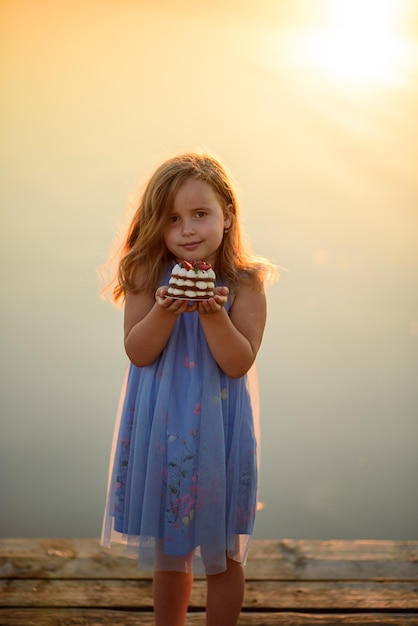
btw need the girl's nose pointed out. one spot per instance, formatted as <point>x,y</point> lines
<point>188,228</point>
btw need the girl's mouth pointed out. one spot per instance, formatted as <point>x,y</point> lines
<point>191,245</point>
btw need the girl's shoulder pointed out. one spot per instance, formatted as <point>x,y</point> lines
<point>248,286</point>
<point>251,277</point>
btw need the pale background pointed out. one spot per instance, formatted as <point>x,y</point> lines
<point>315,114</point>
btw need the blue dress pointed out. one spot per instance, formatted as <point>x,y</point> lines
<point>184,465</point>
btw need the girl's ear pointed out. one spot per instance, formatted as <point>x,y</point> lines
<point>228,217</point>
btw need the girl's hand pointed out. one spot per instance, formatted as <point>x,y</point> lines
<point>215,304</point>
<point>212,305</point>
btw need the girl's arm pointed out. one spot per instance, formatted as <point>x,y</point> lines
<point>234,339</point>
<point>148,324</point>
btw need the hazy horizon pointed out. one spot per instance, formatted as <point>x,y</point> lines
<point>323,146</point>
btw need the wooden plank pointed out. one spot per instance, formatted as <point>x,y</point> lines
<point>334,560</point>
<point>94,617</point>
<point>259,595</point>
<point>275,559</point>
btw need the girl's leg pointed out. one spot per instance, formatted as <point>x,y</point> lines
<point>171,592</point>
<point>225,595</point>
<point>172,584</point>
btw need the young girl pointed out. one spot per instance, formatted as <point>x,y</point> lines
<point>183,478</point>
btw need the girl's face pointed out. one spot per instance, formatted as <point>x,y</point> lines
<point>196,224</point>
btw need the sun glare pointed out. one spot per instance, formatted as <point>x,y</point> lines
<point>357,40</point>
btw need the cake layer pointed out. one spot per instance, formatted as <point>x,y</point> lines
<point>192,280</point>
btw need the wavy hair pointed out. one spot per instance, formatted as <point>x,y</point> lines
<point>144,247</point>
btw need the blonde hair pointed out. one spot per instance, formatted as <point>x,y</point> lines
<point>143,246</point>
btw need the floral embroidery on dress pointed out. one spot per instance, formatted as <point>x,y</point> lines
<point>188,363</point>
<point>223,395</point>
<point>120,480</point>
<point>180,483</point>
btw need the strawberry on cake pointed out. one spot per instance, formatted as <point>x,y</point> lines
<point>192,280</point>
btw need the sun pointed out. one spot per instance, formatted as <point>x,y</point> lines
<point>356,40</point>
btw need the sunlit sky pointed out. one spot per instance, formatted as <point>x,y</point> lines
<point>313,107</point>
<point>356,42</point>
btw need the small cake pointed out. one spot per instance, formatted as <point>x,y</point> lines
<point>192,280</point>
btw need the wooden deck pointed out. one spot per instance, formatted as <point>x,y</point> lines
<point>57,582</point>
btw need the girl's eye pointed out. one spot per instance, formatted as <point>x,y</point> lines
<point>172,219</point>
<point>201,214</point>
